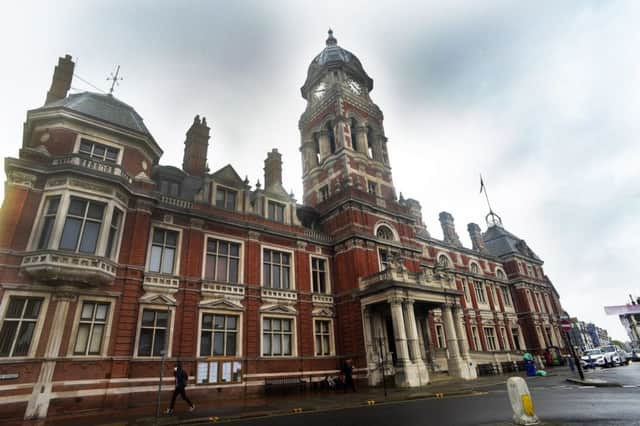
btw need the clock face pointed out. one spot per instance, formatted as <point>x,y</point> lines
<point>319,90</point>
<point>355,87</point>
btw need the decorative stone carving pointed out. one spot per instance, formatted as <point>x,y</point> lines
<point>21,179</point>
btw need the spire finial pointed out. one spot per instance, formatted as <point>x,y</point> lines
<point>331,40</point>
<point>115,78</point>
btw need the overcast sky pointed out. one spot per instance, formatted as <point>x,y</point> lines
<point>542,99</point>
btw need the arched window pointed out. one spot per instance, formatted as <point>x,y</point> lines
<point>443,261</point>
<point>474,268</point>
<point>354,133</point>
<point>385,233</point>
<point>332,138</point>
<point>500,274</point>
<point>370,142</point>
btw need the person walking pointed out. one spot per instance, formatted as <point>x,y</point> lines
<point>181,382</point>
<point>347,372</point>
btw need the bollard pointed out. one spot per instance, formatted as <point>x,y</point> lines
<point>521,402</point>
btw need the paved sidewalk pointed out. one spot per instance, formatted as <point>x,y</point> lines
<point>261,405</point>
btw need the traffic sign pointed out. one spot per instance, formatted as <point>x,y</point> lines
<point>566,325</point>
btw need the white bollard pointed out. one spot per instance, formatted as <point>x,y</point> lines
<point>521,402</point>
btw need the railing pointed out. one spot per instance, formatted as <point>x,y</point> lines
<point>322,298</point>
<point>159,282</point>
<point>223,288</point>
<point>91,164</point>
<point>279,294</point>
<point>426,277</point>
<point>183,204</point>
<point>316,235</point>
<point>60,266</point>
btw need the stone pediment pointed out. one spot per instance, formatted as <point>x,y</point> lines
<point>322,312</point>
<point>278,309</point>
<point>228,176</point>
<point>157,299</point>
<point>221,303</point>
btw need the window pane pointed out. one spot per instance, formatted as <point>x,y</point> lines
<point>158,236</point>
<point>218,343</point>
<point>98,150</point>
<point>212,245</point>
<point>87,311</point>
<point>77,206</point>
<point>277,344</point>
<point>266,274</point>
<point>70,233</point>
<point>172,238</point>
<point>148,318</point>
<point>234,250</point>
<point>286,344</point>
<point>158,344</point>
<point>209,267</point>
<point>112,237</point>
<point>231,344</point>
<point>144,347</point>
<point>231,200</point>
<point>162,319</point>
<point>101,312</point>
<point>266,324</point>
<point>219,322</point>
<point>90,237</point>
<point>231,323</point>
<point>233,270</point>
<point>285,277</point>
<point>96,211</point>
<point>47,227</point>
<point>221,269</point>
<point>223,247</point>
<point>275,324</point>
<point>266,344</point>
<point>205,343</point>
<point>154,262</point>
<point>16,305</point>
<point>96,339</point>
<point>7,335</point>
<point>85,147</point>
<point>318,345</point>
<point>207,321</point>
<point>33,308</point>
<point>167,261</point>
<point>220,198</point>
<point>286,325</point>
<point>24,339</point>
<point>112,154</point>
<point>276,277</point>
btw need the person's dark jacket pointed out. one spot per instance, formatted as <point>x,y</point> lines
<point>181,377</point>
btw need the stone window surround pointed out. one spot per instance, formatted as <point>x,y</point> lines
<point>505,339</point>
<point>385,224</point>
<point>239,333</point>
<point>292,267</point>
<point>61,215</point>
<point>170,227</point>
<point>491,338</point>
<point>76,324</point>
<point>332,346</point>
<point>286,219</point>
<point>327,273</point>
<point>170,326</point>
<point>446,255</point>
<point>214,194</point>
<point>35,339</point>
<point>294,335</point>
<point>222,237</point>
<point>482,289</point>
<point>476,338</point>
<point>98,140</point>
<point>441,340</point>
<point>477,269</point>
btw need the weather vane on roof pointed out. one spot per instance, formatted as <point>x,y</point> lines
<point>114,80</point>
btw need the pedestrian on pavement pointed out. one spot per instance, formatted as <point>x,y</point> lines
<point>347,372</point>
<point>181,382</point>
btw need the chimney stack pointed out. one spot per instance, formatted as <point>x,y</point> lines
<point>194,161</point>
<point>61,82</point>
<point>477,243</point>
<point>273,169</point>
<point>449,229</point>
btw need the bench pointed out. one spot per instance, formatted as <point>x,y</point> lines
<point>284,384</point>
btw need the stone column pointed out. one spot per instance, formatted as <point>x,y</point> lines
<point>376,146</point>
<point>468,368</point>
<point>38,403</point>
<point>309,159</point>
<point>369,341</point>
<point>458,366</point>
<point>414,347</point>
<point>324,144</point>
<point>402,349</point>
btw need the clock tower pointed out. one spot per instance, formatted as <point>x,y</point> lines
<point>342,136</point>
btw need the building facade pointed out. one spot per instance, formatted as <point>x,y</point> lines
<point>629,316</point>
<point>112,262</point>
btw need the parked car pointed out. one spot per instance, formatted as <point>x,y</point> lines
<point>613,355</point>
<point>593,358</point>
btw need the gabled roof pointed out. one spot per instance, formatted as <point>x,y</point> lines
<point>229,176</point>
<point>500,242</point>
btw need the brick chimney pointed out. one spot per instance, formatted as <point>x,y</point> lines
<point>273,170</point>
<point>477,243</point>
<point>449,229</point>
<point>194,161</point>
<point>61,83</point>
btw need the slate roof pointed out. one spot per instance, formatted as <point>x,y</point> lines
<point>103,107</point>
<point>500,242</point>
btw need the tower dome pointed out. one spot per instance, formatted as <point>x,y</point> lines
<point>331,57</point>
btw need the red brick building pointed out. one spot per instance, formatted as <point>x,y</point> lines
<point>110,260</point>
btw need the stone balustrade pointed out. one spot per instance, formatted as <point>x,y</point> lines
<point>92,164</point>
<point>57,266</point>
<point>271,293</point>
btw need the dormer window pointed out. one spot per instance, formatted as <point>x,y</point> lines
<point>474,268</point>
<point>500,274</point>
<point>170,188</point>
<point>226,198</point>
<point>443,261</point>
<point>372,188</point>
<point>98,151</point>
<point>275,211</point>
